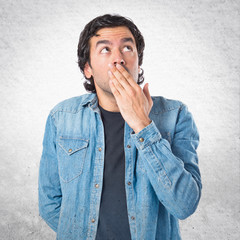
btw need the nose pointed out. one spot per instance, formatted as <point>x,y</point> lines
<point>120,61</point>
<point>118,58</point>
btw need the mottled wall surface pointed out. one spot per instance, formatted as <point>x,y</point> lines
<point>192,54</point>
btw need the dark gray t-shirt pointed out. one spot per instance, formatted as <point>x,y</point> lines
<point>113,221</point>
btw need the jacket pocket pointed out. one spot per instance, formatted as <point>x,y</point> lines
<point>71,154</point>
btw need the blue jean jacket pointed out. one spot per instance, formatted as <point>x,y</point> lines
<point>162,177</point>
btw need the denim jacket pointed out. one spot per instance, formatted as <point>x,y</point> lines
<point>162,177</point>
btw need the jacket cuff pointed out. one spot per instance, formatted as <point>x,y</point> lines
<point>146,136</point>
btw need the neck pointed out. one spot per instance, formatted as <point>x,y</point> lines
<point>107,101</point>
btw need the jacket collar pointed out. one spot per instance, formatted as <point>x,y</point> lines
<point>91,100</point>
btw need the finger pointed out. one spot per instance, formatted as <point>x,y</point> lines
<point>114,90</point>
<point>120,77</point>
<point>116,83</point>
<point>146,92</point>
<point>126,75</point>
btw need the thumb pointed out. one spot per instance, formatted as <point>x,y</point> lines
<point>146,92</point>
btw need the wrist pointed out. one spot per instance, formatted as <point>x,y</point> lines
<point>142,125</point>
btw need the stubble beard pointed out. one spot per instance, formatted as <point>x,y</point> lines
<point>104,88</point>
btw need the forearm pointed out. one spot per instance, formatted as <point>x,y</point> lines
<point>177,184</point>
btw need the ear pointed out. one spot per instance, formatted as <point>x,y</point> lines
<point>87,70</point>
<point>139,69</point>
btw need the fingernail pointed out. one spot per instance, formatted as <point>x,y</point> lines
<point>118,66</point>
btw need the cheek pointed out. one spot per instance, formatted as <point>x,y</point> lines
<point>132,58</point>
<point>131,55</point>
<point>98,65</point>
<point>100,62</point>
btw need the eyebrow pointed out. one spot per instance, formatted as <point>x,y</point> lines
<point>123,40</point>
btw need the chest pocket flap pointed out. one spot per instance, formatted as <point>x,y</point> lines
<point>72,145</point>
<point>71,156</point>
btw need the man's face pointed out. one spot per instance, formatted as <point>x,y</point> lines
<point>111,45</point>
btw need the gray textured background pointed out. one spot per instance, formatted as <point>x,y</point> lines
<point>192,54</point>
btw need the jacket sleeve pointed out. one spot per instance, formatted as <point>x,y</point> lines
<point>173,170</point>
<point>49,189</point>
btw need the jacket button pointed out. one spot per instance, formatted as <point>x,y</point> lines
<point>129,183</point>
<point>96,185</point>
<point>128,146</point>
<point>132,217</point>
<point>93,220</point>
<point>141,139</point>
<point>70,150</point>
<point>100,149</point>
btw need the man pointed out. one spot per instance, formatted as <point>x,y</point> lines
<point>117,163</point>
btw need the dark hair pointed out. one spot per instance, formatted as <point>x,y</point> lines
<point>91,29</point>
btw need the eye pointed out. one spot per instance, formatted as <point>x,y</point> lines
<point>105,50</point>
<point>127,48</point>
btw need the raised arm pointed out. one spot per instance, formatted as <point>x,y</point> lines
<point>173,170</point>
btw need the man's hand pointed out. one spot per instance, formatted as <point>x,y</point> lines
<point>134,103</point>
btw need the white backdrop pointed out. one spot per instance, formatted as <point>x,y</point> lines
<point>192,54</point>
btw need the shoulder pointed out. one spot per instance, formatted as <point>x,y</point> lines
<point>162,104</point>
<point>72,105</point>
